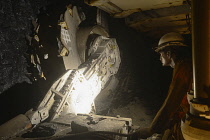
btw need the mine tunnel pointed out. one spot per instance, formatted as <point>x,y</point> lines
<point>40,70</point>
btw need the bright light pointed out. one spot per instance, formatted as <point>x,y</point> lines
<point>83,93</point>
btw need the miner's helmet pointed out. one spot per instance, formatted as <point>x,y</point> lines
<point>170,39</point>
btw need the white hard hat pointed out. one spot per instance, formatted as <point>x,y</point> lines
<point>170,39</point>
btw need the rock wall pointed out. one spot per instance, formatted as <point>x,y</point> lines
<point>16,18</point>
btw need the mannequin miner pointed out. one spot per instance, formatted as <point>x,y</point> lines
<point>174,53</point>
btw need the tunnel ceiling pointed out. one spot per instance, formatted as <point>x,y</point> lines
<point>152,17</point>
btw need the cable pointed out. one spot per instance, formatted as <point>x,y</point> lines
<point>188,21</point>
<point>93,133</point>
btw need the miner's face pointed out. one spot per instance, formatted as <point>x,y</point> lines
<point>165,58</point>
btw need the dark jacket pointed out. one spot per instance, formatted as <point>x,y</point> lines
<point>175,100</point>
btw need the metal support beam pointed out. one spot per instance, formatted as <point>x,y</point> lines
<point>201,48</point>
<point>197,125</point>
